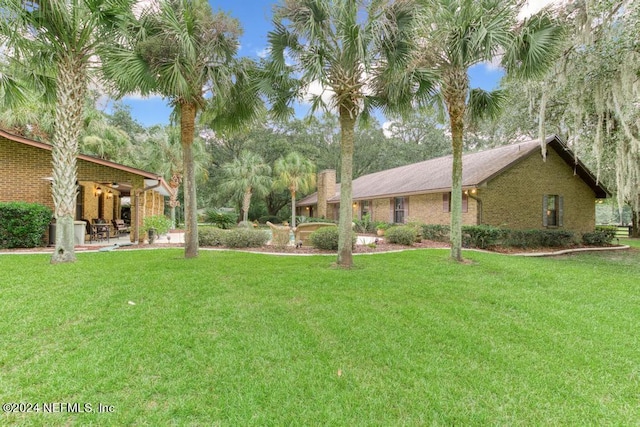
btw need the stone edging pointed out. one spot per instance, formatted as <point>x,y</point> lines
<point>569,251</point>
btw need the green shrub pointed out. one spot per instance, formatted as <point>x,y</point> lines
<point>327,238</point>
<point>480,236</point>
<point>603,235</point>
<point>244,238</point>
<point>417,227</point>
<point>402,235</point>
<point>520,239</point>
<point>210,236</point>
<point>245,224</point>
<point>538,238</point>
<point>270,218</point>
<point>557,238</point>
<point>436,233</point>
<point>220,218</point>
<point>160,223</point>
<point>22,225</point>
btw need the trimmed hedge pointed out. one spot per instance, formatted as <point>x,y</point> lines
<point>235,238</point>
<point>484,236</point>
<point>538,238</point>
<point>22,225</point>
<point>481,236</point>
<point>327,238</point>
<point>245,238</point>
<point>210,236</point>
<point>401,235</point>
<point>603,235</point>
<point>436,233</point>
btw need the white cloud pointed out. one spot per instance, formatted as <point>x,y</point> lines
<point>263,53</point>
<point>386,128</point>
<point>139,97</point>
<point>314,89</point>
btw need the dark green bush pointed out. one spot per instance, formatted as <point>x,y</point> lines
<point>220,218</point>
<point>402,235</point>
<point>210,236</point>
<point>481,236</point>
<point>603,235</point>
<point>436,233</point>
<point>244,238</point>
<point>557,238</point>
<point>538,238</point>
<point>327,238</point>
<point>234,238</point>
<point>22,225</point>
<point>271,218</point>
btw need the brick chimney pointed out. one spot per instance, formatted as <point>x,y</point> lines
<point>326,190</point>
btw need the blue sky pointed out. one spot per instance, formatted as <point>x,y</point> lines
<point>255,19</point>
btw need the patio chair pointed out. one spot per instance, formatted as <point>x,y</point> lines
<point>99,230</point>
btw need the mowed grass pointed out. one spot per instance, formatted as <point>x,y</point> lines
<point>251,339</point>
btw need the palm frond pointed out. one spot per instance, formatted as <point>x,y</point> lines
<point>534,49</point>
<point>485,104</point>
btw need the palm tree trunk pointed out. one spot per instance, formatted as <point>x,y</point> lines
<point>187,133</point>
<point>68,125</point>
<point>455,92</point>
<point>345,250</point>
<point>293,209</point>
<point>246,202</point>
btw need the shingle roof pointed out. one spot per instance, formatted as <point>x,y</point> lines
<point>434,175</point>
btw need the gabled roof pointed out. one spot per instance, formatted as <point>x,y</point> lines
<point>434,175</point>
<point>163,188</point>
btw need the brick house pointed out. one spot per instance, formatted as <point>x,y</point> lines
<point>25,175</point>
<point>510,186</point>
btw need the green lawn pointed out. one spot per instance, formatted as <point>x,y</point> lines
<point>250,339</point>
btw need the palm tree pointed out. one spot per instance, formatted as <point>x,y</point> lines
<point>161,151</point>
<point>458,34</point>
<point>245,176</point>
<point>58,39</point>
<point>296,174</point>
<point>183,51</point>
<point>357,52</point>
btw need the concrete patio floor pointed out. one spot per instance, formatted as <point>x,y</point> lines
<point>177,237</point>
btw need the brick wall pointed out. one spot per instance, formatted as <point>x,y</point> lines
<point>22,169</point>
<point>428,209</point>
<point>424,208</point>
<point>514,198</point>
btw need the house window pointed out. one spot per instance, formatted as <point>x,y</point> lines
<point>80,203</point>
<point>552,210</point>
<point>399,210</point>
<point>365,208</point>
<point>446,202</point>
